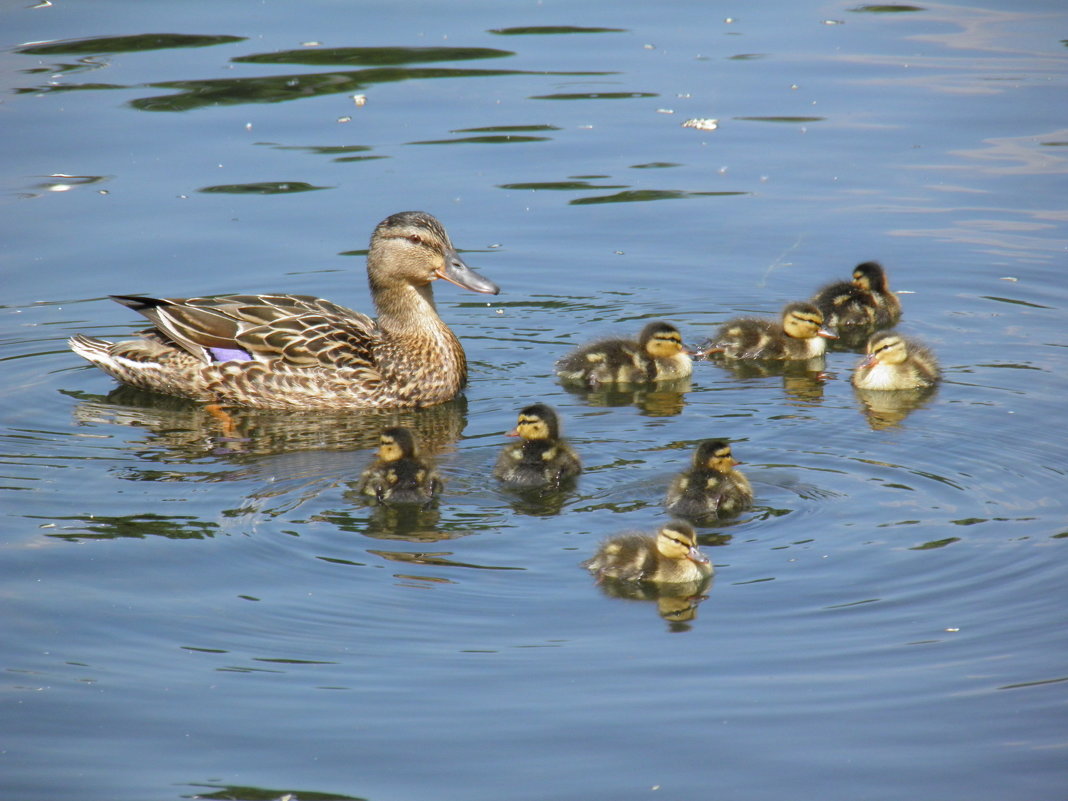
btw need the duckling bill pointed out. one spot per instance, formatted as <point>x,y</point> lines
<point>669,557</point>
<point>658,355</point>
<point>712,487</point>
<point>541,458</point>
<point>799,334</point>
<point>282,351</point>
<point>400,475</point>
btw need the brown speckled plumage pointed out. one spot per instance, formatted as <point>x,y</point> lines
<point>301,352</point>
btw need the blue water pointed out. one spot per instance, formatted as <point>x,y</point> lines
<point>191,614</point>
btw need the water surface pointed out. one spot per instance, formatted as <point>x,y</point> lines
<point>201,612</point>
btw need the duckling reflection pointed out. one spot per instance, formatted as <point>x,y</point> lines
<point>658,355</point>
<point>803,380</point>
<point>799,334</point>
<point>400,474</point>
<point>712,487</point>
<point>676,603</point>
<point>669,557</point>
<point>895,363</point>
<point>889,409</point>
<point>181,430</point>
<point>541,458</point>
<point>857,307</point>
<point>656,399</point>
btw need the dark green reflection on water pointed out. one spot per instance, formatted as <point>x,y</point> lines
<point>542,30</point>
<point>372,56</point>
<point>278,88</point>
<point>262,188</point>
<point>125,44</point>
<point>236,792</point>
<point>643,195</point>
<point>103,527</point>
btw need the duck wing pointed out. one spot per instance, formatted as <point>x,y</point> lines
<point>299,330</point>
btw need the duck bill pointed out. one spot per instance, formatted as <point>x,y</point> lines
<point>513,433</point>
<point>456,272</point>
<point>695,555</point>
<point>827,333</point>
<point>869,362</point>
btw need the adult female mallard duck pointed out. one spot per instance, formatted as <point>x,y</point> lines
<point>658,355</point>
<point>894,362</point>
<point>711,487</point>
<point>301,352</point>
<point>540,458</point>
<point>400,474</point>
<point>800,335</point>
<point>865,302</point>
<point>670,557</point>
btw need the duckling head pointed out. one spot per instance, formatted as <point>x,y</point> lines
<point>870,277</point>
<point>412,247</point>
<point>661,340</point>
<point>885,347</point>
<point>678,541</point>
<point>537,422</point>
<point>804,321</point>
<point>395,444</point>
<point>714,454</point>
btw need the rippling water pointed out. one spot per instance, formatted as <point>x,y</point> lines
<point>201,610</point>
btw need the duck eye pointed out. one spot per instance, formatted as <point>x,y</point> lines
<point>415,239</point>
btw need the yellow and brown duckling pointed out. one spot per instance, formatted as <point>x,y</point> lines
<point>540,458</point>
<point>865,302</point>
<point>800,334</point>
<point>658,355</point>
<point>669,557</point>
<point>712,487</point>
<point>301,352</point>
<point>400,475</point>
<point>894,362</point>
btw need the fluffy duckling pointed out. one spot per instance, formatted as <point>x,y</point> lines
<point>541,458</point>
<point>712,487</point>
<point>658,355</point>
<point>894,362</point>
<point>671,557</point>
<point>866,301</point>
<point>400,474</point>
<point>800,335</point>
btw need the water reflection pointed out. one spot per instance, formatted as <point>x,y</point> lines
<point>889,408</point>
<point>178,430</point>
<point>675,603</point>
<point>659,399</point>
<point>802,381</point>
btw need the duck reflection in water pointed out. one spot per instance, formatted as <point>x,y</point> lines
<point>187,430</point>
<point>802,381</point>
<point>675,603</point>
<point>656,399</point>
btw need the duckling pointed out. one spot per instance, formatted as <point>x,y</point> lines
<point>541,458</point>
<point>275,351</point>
<point>658,355</point>
<point>400,474</point>
<point>712,487</point>
<point>671,557</point>
<point>865,301</point>
<point>800,335</point>
<point>894,362</point>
